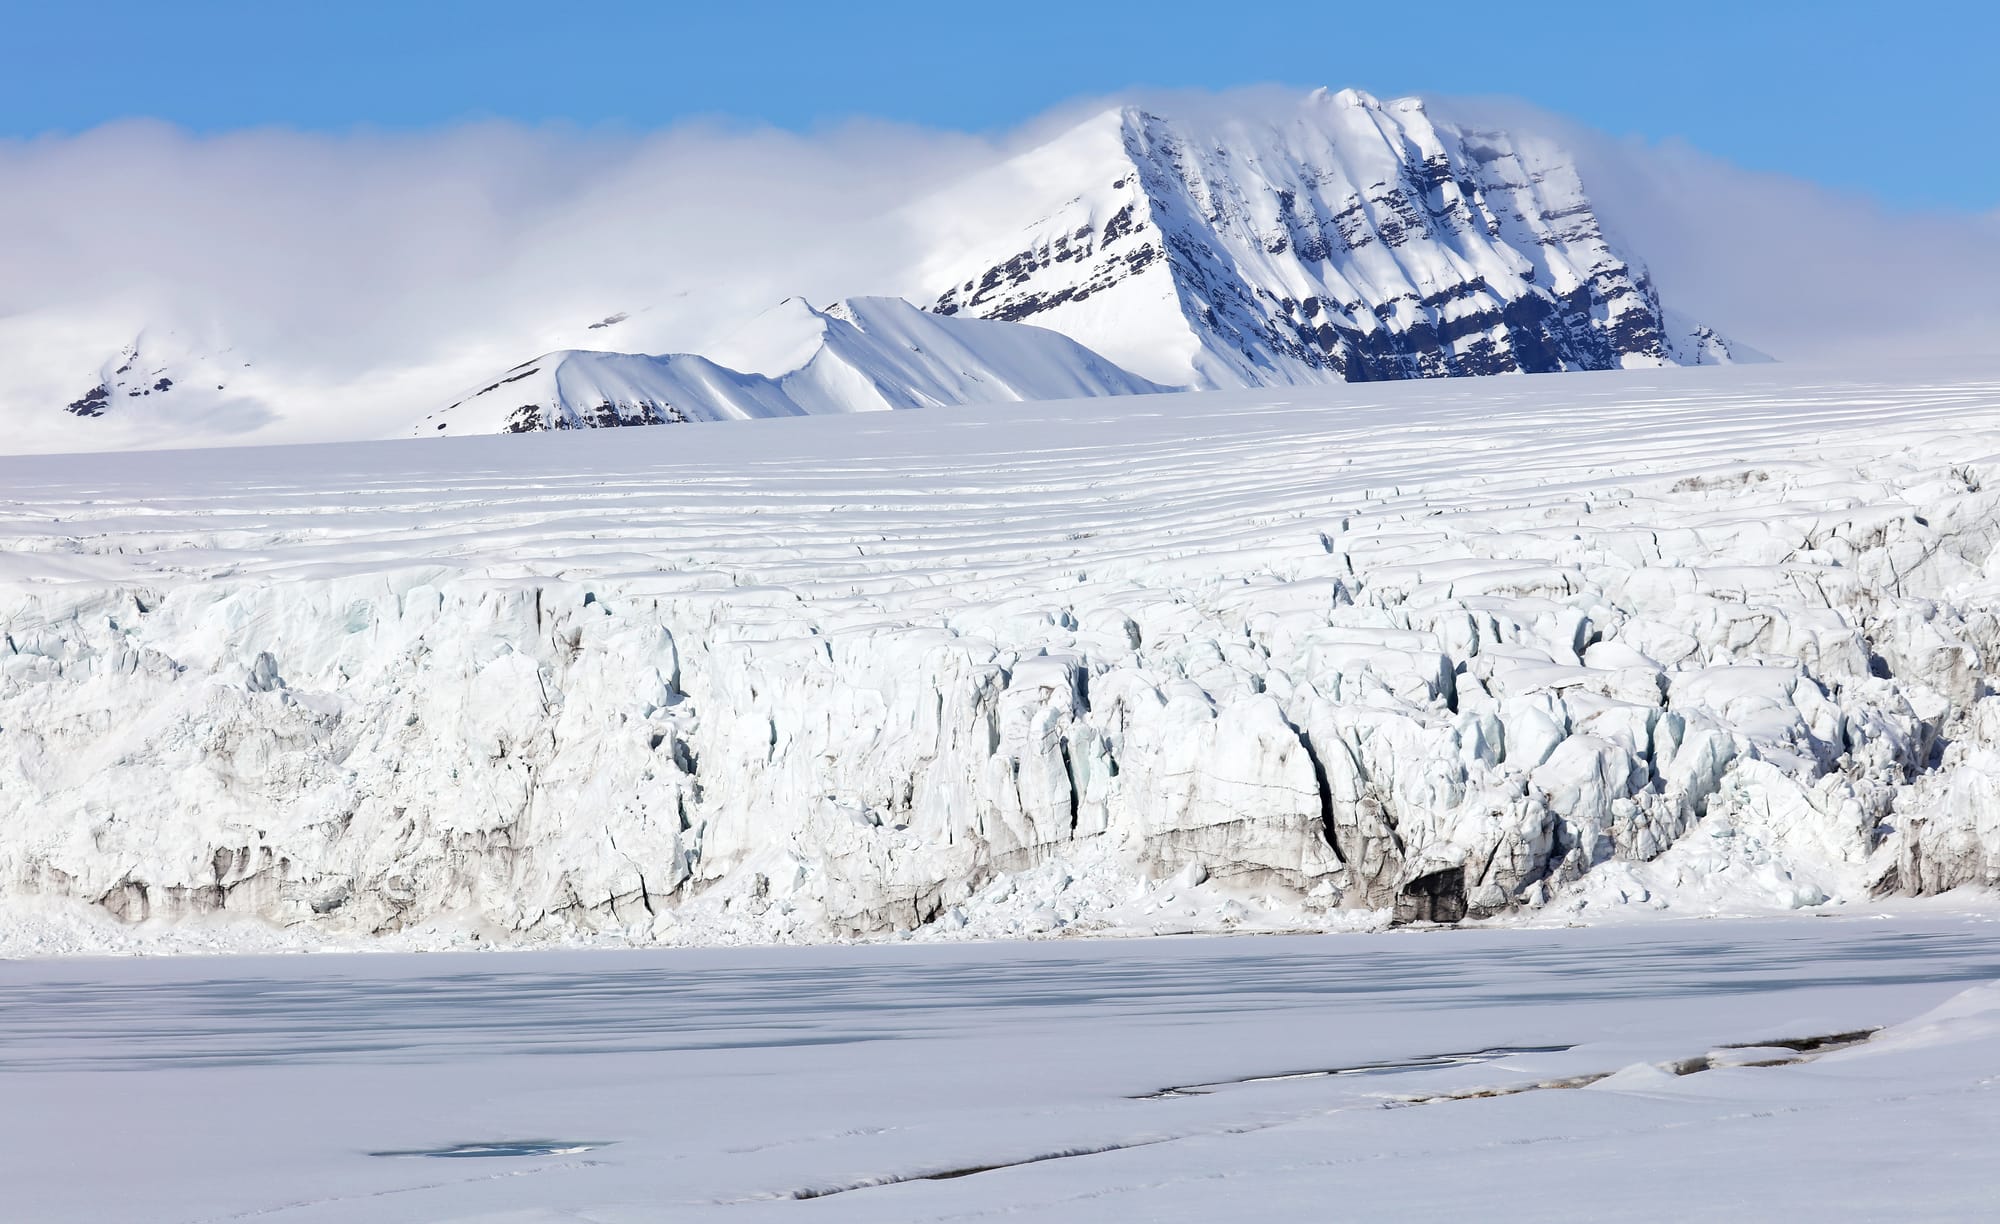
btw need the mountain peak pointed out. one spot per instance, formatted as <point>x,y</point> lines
<point>1349,98</point>
<point>1347,240</point>
<point>775,342</point>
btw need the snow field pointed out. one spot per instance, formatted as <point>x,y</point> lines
<point>1599,1074</point>
<point>1698,640</point>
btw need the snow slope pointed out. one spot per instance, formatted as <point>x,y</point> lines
<point>1611,1074</point>
<point>1703,640</point>
<point>172,381</point>
<point>861,355</point>
<point>1338,238</point>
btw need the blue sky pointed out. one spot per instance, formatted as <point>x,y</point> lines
<point>1896,100</point>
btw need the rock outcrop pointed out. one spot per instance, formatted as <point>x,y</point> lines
<point>1341,239</point>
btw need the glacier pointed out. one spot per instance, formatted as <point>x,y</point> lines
<point>1695,640</point>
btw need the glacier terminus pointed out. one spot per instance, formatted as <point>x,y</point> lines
<point>1269,659</point>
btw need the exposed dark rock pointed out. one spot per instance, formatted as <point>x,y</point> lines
<point>1437,897</point>
<point>92,403</point>
<point>1210,215</point>
<point>537,418</point>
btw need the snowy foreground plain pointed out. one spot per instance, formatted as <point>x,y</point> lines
<point>1695,640</point>
<point>1605,1073</point>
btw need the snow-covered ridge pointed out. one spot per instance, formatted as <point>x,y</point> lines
<point>171,377</point>
<point>1344,240</point>
<point>860,355</point>
<point>1673,639</point>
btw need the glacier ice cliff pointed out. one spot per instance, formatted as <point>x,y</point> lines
<point>1692,639</point>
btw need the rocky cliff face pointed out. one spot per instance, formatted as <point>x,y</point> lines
<point>1343,240</point>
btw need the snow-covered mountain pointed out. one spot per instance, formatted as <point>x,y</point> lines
<point>1328,238</point>
<point>860,355</point>
<point>169,376</point>
<point>1344,239</point>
